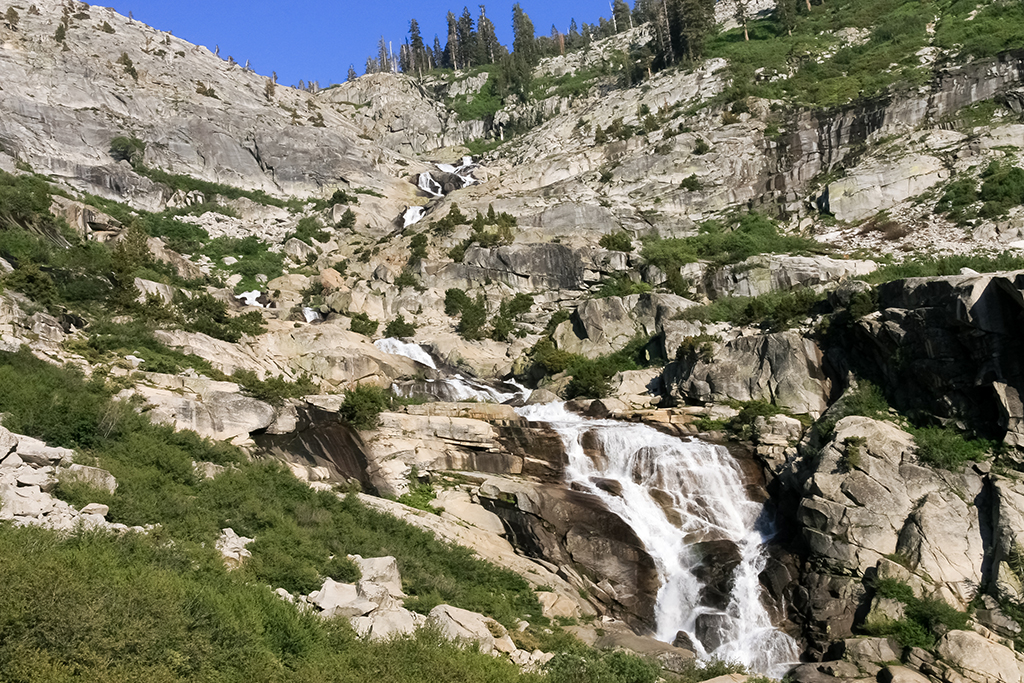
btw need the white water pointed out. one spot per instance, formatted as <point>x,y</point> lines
<point>460,388</point>
<point>250,298</point>
<point>412,216</point>
<point>703,499</point>
<point>428,184</point>
<point>398,347</point>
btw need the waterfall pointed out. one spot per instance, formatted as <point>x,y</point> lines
<point>458,388</point>
<point>682,497</point>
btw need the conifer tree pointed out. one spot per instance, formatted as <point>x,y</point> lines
<point>524,43</point>
<point>468,50</point>
<point>352,73</point>
<point>785,14</point>
<point>487,38</point>
<point>451,50</point>
<point>622,19</point>
<point>417,58</point>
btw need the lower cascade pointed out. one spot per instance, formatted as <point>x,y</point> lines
<point>679,496</point>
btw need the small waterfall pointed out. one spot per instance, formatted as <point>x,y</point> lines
<point>683,498</point>
<point>398,347</point>
<point>457,387</point>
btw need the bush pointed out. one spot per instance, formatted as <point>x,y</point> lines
<point>309,229</point>
<point>399,328</point>
<point>130,149</point>
<point>946,448</point>
<point>737,239</point>
<point>621,286</point>
<point>925,619</point>
<point>619,241</point>
<point>418,247</point>
<point>775,310</point>
<point>455,300</point>
<point>407,279</point>
<point>273,390</point>
<point>363,324</point>
<point>363,405</point>
<point>691,183</point>
<point>474,317</point>
<point>866,400</point>
<point>347,220</point>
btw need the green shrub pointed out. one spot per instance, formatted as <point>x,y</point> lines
<point>130,149</point>
<point>551,359</point>
<point>1002,188</point>
<point>946,265</point>
<point>363,405</point>
<point>309,229</point>
<point>273,390</point>
<point>455,300</point>
<point>946,448</point>
<point>775,310</point>
<point>347,220</point>
<point>924,620</point>
<point>691,183</point>
<point>399,328</point>
<point>618,241</point>
<point>418,246</point>
<point>590,377</point>
<point>737,239</point>
<point>363,324</point>
<point>621,286</point>
<point>866,400</point>
<point>407,278</point>
<point>474,317</point>
<point>851,452</point>
<point>129,67</point>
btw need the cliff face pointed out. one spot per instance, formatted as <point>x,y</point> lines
<point>554,253</point>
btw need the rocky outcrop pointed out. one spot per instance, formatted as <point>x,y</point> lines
<point>783,368</point>
<point>577,533</point>
<point>525,267</point>
<point>948,346</point>
<point>30,471</point>
<point>880,184</point>
<point>759,275</point>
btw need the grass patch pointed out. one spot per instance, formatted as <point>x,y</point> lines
<point>296,529</point>
<point>135,608</point>
<point>946,448</point>
<point>945,266</point>
<point>775,310</point>
<point>925,618</point>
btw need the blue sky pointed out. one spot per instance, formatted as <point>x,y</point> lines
<point>316,40</point>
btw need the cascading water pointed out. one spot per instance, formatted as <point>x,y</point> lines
<point>679,496</point>
<point>459,388</point>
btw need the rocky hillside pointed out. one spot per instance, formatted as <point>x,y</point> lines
<point>282,372</point>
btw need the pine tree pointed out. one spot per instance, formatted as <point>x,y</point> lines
<point>692,25</point>
<point>785,14</point>
<point>469,54</point>
<point>371,66</point>
<point>487,38</point>
<point>741,15</point>
<point>524,43</point>
<point>352,73</point>
<point>574,39</point>
<point>383,63</point>
<point>621,18</point>
<point>417,57</point>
